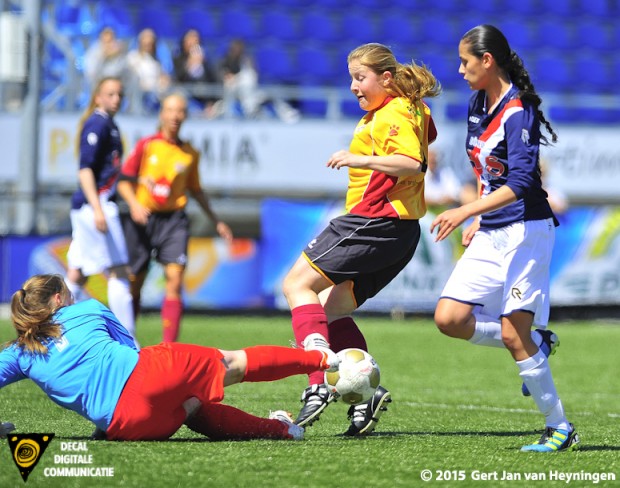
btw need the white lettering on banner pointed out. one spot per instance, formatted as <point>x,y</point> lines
<point>272,156</point>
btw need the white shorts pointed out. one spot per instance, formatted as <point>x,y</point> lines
<point>506,270</point>
<point>92,251</point>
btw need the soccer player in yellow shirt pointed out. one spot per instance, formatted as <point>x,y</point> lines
<point>360,252</point>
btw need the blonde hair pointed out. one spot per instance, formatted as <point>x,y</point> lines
<point>32,310</point>
<point>92,105</point>
<point>411,81</point>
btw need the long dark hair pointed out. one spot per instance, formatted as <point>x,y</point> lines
<point>487,38</point>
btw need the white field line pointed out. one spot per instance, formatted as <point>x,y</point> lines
<point>487,408</point>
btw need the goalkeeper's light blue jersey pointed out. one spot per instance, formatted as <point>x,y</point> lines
<point>84,370</point>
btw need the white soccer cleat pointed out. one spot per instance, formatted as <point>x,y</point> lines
<point>316,342</point>
<point>295,431</point>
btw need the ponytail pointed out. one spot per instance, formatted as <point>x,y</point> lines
<point>32,311</point>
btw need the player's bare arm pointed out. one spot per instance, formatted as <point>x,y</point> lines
<point>394,165</point>
<point>449,220</point>
<point>139,213</point>
<point>89,187</point>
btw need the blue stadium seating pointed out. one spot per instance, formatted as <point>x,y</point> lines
<point>200,19</point>
<point>164,25</point>
<point>281,25</point>
<point>275,64</point>
<point>237,22</point>
<point>306,41</point>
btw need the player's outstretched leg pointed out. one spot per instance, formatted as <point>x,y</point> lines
<point>223,422</point>
<point>364,417</point>
<point>550,343</point>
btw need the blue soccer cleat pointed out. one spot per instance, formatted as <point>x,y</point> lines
<point>550,343</point>
<point>554,440</point>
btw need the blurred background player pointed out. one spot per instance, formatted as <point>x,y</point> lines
<point>98,243</point>
<point>360,252</point>
<point>155,180</point>
<point>81,351</point>
<point>500,286</point>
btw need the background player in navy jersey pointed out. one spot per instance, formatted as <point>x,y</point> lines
<point>98,244</point>
<point>500,286</point>
<point>84,360</point>
<point>360,252</point>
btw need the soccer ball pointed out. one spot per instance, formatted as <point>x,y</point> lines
<point>357,377</point>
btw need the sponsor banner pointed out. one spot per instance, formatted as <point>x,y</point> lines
<point>235,156</point>
<point>218,275</point>
<point>289,159</point>
<point>585,269</point>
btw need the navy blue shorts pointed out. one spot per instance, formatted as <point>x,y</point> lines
<point>165,237</point>
<point>370,252</point>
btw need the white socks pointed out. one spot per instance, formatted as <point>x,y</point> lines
<point>488,332</point>
<point>121,303</point>
<point>536,375</point>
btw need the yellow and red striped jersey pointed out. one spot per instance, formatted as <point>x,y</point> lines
<point>164,171</point>
<point>397,127</point>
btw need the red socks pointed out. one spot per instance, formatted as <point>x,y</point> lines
<point>344,333</point>
<point>269,363</point>
<point>223,422</point>
<point>308,319</point>
<point>171,313</point>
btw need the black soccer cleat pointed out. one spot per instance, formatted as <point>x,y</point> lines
<point>315,399</point>
<point>364,417</point>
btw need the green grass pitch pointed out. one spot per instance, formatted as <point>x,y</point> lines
<point>457,412</point>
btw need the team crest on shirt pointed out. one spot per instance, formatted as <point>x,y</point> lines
<point>92,138</point>
<point>525,136</point>
<point>393,130</point>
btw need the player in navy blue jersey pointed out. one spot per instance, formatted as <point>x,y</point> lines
<point>499,289</point>
<point>98,243</point>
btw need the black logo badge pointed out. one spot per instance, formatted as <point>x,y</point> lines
<point>27,449</point>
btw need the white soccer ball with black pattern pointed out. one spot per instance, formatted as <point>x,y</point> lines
<point>357,377</point>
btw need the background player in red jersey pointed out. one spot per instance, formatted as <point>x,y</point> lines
<point>155,180</point>
<point>98,243</point>
<point>500,286</point>
<point>360,252</point>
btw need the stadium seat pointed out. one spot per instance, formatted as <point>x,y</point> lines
<point>358,27</point>
<point>522,7</point>
<point>163,25</point>
<point>74,19</point>
<point>200,19</point>
<point>236,22</point>
<point>317,65</point>
<point>440,31</point>
<point>521,34</point>
<point>602,9</point>
<point>117,17</point>
<point>595,34</point>
<point>444,68</point>
<point>593,73</point>
<point>275,65</point>
<point>396,28</point>
<point>321,25</point>
<point>552,72</point>
<point>554,34</point>
<point>280,24</point>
